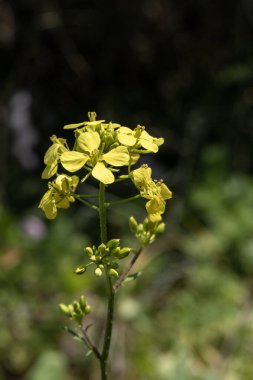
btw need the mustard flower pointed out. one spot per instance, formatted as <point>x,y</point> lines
<point>90,152</point>
<point>155,191</point>
<point>52,156</point>
<point>139,138</point>
<point>59,195</point>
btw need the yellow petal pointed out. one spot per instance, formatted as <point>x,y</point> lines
<point>159,141</point>
<point>155,207</point>
<point>72,126</point>
<point>117,157</point>
<point>47,204</point>
<point>88,141</point>
<point>94,123</point>
<point>49,170</point>
<point>165,191</point>
<point>142,176</point>
<point>102,174</point>
<point>62,202</point>
<point>73,161</point>
<point>126,136</point>
<point>147,142</point>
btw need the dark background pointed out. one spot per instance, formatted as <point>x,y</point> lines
<point>184,69</point>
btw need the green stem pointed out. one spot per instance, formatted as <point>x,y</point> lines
<point>78,197</point>
<point>102,213</point>
<point>124,200</point>
<point>108,330</point>
<point>110,306</point>
<point>126,271</point>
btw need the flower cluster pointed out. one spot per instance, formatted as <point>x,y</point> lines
<point>147,231</point>
<point>76,310</point>
<point>100,149</point>
<point>105,256</point>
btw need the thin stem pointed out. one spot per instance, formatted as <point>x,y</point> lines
<point>124,200</point>
<point>85,339</point>
<point>126,271</point>
<point>102,213</point>
<point>87,203</point>
<point>90,343</point>
<point>108,330</point>
<point>110,305</point>
<point>87,195</point>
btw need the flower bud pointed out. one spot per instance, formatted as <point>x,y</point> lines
<point>115,251</point>
<point>77,308</point>
<point>98,272</point>
<point>160,228</point>
<point>64,309</point>
<point>123,252</point>
<point>82,303</point>
<point>113,243</point>
<point>71,310</point>
<point>133,224</point>
<point>113,273</point>
<point>88,251</point>
<point>80,270</point>
<point>87,309</point>
<point>93,258</point>
<point>101,248</point>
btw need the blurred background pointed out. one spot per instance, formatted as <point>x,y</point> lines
<point>184,69</point>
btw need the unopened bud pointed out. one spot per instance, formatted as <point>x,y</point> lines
<point>102,248</point>
<point>80,270</point>
<point>113,273</point>
<point>64,308</point>
<point>77,308</point>
<point>113,243</point>
<point>89,251</point>
<point>124,252</point>
<point>133,224</point>
<point>82,303</point>
<point>98,272</point>
<point>160,228</point>
<point>115,251</point>
<point>87,309</point>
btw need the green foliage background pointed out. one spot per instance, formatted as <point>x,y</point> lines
<point>185,70</point>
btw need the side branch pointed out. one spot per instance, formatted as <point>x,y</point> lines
<point>121,278</point>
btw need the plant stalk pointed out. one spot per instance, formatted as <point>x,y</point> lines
<point>110,306</point>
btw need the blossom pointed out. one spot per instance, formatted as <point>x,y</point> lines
<point>155,191</point>
<point>139,138</point>
<point>52,156</point>
<point>59,195</point>
<point>90,151</point>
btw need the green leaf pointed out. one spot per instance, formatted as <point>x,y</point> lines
<point>88,353</point>
<point>131,277</point>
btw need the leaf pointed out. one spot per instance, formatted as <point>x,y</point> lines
<point>131,277</point>
<point>88,353</point>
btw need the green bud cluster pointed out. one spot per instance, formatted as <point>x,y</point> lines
<point>147,231</point>
<point>105,257</point>
<point>76,310</point>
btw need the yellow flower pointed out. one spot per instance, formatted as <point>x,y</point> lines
<point>139,138</point>
<point>89,151</point>
<point>156,192</point>
<point>59,195</point>
<point>52,156</point>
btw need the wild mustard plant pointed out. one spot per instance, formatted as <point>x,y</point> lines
<point>107,152</point>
